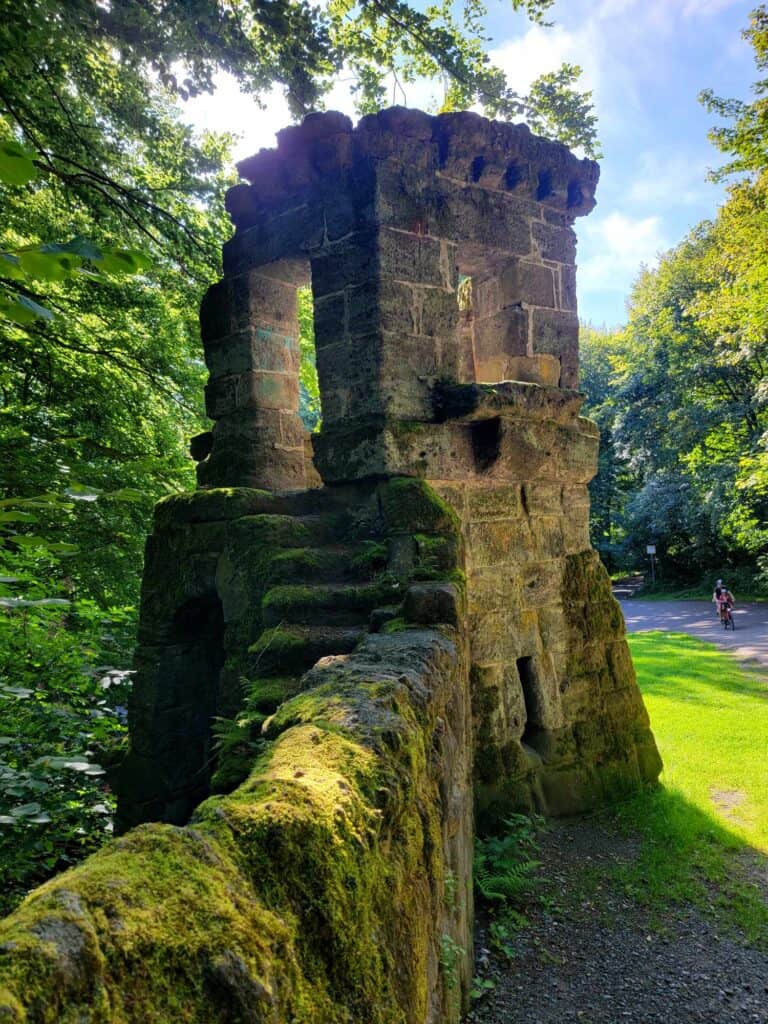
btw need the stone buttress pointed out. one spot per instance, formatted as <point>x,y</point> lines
<point>352,648</point>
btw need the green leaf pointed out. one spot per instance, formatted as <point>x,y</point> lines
<point>63,547</point>
<point>24,540</point>
<point>17,517</point>
<point>10,266</point>
<point>81,492</point>
<point>42,602</point>
<point>26,810</point>
<point>48,266</point>
<point>16,163</point>
<point>78,246</point>
<point>126,494</point>
<point>23,310</point>
<point>123,261</point>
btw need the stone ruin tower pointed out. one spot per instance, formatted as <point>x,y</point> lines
<point>478,398</point>
<point>355,648</point>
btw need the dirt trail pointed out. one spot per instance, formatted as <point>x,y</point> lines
<point>601,959</point>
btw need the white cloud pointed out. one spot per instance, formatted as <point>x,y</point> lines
<point>542,50</point>
<point>230,110</point>
<point>613,247</point>
<point>707,8</point>
<point>670,179</point>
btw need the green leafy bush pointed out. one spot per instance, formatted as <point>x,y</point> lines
<point>62,709</point>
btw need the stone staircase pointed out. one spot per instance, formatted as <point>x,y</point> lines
<point>322,595</point>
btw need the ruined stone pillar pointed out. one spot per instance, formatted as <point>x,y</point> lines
<point>250,338</point>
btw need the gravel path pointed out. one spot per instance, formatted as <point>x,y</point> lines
<point>748,642</point>
<point>603,961</point>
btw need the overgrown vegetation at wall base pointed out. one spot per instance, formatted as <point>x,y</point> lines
<point>62,709</point>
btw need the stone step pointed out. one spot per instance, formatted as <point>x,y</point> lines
<point>329,604</point>
<point>330,563</point>
<point>292,649</point>
<point>266,694</point>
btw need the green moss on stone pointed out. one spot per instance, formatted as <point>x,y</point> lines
<point>292,899</point>
<point>214,504</point>
<point>291,600</point>
<point>412,506</point>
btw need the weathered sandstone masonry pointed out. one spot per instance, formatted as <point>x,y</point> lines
<point>352,650</point>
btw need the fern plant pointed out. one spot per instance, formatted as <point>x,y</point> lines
<point>505,865</point>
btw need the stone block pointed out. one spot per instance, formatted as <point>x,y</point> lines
<point>490,637</point>
<point>576,531</point>
<point>497,339</point>
<point>381,305</point>
<point>499,502</point>
<point>259,390</point>
<point>493,589</point>
<point>272,468</point>
<point>262,427</point>
<point>472,216</point>
<point>541,582</point>
<point>531,283</point>
<point>554,332</point>
<point>545,370</point>
<point>504,333</point>
<point>432,604</point>
<point>330,313</point>
<point>498,542</point>
<point>542,498</point>
<point>216,312</point>
<point>547,534</point>
<point>552,622</point>
<point>569,792</point>
<point>200,445</point>
<point>486,297</point>
<point>405,256</point>
<point>352,261</point>
<point>557,244</point>
<point>568,288</point>
<point>436,312</point>
<point>288,233</point>
<point>254,349</point>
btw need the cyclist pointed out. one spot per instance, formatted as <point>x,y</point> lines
<point>716,597</point>
<point>725,603</point>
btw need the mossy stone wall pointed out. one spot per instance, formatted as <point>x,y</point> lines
<point>315,893</point>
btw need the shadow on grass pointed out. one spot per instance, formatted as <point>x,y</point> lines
<point>686,857</point>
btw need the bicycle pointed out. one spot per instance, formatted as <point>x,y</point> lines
<point>726,617</point>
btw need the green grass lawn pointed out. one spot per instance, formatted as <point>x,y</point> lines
<point>710,719</point>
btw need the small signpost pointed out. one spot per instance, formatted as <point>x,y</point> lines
<point>651,550</point>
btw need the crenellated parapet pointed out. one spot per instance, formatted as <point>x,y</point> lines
<point>384,221</point>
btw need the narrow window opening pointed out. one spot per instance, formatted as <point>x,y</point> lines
<point>478,165</point>
<point>309,387</point>
<point>545,185</point>
<point>464,294</point>
<point>442,149</point>
<point>528,682</point>
<point>486,443</point>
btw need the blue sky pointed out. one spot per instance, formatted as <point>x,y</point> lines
<point>646,61</point>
